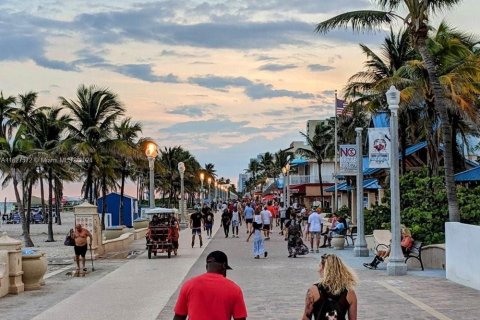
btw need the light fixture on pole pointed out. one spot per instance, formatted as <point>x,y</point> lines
<point>215,184</point>
<point>202,177</point>
<point>360,249</point>
<point>181,170</point>
<point>396,265</point>
<point>284,195</point>
<point>151,153</point>
<point>287,167</point>
<point>209,180</point>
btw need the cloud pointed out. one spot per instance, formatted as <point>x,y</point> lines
<point>252,89</point>
<point>319,68</point>
<point>277,67</point>
<point>214,126</point>
<point>195,111</point>
<point>144,72</point>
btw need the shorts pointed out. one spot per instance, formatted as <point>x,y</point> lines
<point>235,223</point>
<point>208,226</point>
<point>315,234</point>
<point>196,231</point>
<point>266,227</point>
<point>249,220</point>
<point>80,251</point>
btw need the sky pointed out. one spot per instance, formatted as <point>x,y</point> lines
<point>226,80</point>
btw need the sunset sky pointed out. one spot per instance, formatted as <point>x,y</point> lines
<point>224,79</point>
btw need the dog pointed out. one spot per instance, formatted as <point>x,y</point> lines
<point>331,315</point>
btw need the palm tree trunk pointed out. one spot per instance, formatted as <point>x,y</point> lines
<point>58,201</point>
<point>21,210</point>
<point>42,195</point>
<point>29,205</point>
<point>50,217</point>
<point>122,190</point>
<point>441,107</point>
<point>104,201</point>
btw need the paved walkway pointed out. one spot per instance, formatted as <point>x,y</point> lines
<point>274,288</point>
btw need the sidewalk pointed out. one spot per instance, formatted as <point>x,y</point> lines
<point>275,287</point>
<point>139,289</point>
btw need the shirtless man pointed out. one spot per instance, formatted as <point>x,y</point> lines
<point>80,237</point>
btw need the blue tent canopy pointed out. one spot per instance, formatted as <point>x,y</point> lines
<point>369,184</point>
<point>299,162</point>
<point>470,175</point>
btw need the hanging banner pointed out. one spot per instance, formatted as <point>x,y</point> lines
<point>379,144</point>
<point>348,160</point>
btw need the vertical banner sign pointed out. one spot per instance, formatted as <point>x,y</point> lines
<point>379,147</point>
<point>348,160</point>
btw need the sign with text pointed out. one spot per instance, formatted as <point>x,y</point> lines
<point>379,144</point>
<point>348,160</point>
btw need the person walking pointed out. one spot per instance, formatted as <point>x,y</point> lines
<point>211,296</point>
<point>248,212</point>
<point>80,236</point>
<point>235,222</point>
<point>258,242</point>
<point>283,216</point>
<point>226,219</point>
<point>196,221</point>
<point>295,245</point>
<point>333,297</point>
<point>266,219</point>
<point>314,228</point>
<point>209,220</point>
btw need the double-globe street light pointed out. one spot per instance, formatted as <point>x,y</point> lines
<point>286,186</point>
<point>209,180</point>
<point>181,170</point>
<point>151,153</point>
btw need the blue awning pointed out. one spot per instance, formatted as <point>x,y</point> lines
<point>369,184</point>
<point>299,162</point>
<point>468,175</point>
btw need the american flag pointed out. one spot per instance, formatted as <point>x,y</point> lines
<point>341,108</point>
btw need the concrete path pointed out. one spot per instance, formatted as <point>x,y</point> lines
<point>274,288</point>
<point>139,289</point>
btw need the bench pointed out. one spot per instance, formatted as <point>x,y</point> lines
<point>381,237</point>
<point>415,252</point>
<point>351,233</point>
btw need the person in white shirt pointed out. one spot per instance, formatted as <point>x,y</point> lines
<point>314,228</point>
<point>235,222</point>
<point>266,219</point>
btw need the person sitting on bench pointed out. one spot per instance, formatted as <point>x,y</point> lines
<point>406,244</point>
<point>338,225</point>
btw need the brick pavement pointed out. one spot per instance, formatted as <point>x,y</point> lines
<point>274,288</point>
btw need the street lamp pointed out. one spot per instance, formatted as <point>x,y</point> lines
<point>151,153</point>
<point>209,180</point>
<point>181,170</point>
<point>284,195</point>
<point>202,177</point>
<point>215,187</point>
<point>396,265</point>
<point>287,168</point>
<point>360,249</point>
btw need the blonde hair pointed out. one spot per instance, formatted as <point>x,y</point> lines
<point>406,232</point>
<point>336,275</point>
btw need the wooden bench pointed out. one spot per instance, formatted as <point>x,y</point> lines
<point>415,252</point>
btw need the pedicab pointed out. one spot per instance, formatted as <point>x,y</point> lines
<point>160,238</point>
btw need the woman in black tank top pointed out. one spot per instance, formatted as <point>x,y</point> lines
<point>333,297</point>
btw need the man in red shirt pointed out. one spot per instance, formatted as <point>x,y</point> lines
<point>211,296</point>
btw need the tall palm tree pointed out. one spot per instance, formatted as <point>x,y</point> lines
<point>319,147</point>
<point>126,133</point>
<point>266,164</point>
<point>94,115</point>
<point>419,13</point>
<point>254,169</point>
<point>6,124</point>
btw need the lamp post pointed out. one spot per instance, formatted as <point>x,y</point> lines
<point>360,249</point>
<point>181,170</point>
<point>202,177</point>
<point>151,153</point>
<point>287,167</point>
<point>396,265</point>
<point>284,195</point>
<point>215,186</point>
<point>209,180</point>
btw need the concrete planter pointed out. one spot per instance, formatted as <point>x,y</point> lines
<point>34,267</point>
<point>113,232</point>
<point>338,242</point>
<point>140,223</point>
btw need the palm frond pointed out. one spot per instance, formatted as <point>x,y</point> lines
<point>362,20</point>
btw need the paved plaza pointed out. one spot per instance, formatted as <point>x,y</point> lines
<point>274,288</point>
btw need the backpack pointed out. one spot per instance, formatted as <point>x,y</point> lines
<point>331,308</point>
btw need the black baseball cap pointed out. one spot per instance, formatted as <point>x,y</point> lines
<point>218,257</point>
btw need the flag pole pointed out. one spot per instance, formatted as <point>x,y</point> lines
<point>335,201</point>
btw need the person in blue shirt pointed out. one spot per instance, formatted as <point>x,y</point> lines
<point>249,217</point>
<point>339,224</point>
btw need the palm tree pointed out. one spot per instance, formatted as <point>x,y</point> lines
<point>319,147</point>
<point>254,169</point>
<point>419,13</point>
<point>94,115</point>
<point>17,150</point>
<point>6,123</point>
<point>126,133</point>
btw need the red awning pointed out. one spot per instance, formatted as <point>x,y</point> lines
<point>297,189</point>
<point>268,197</point>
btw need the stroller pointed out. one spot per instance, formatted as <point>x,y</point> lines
<point>296,247</point>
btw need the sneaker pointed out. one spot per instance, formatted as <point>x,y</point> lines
<point>369,266</point>
<point>323,246</point>
<point>311,250</point>
<point>257,257</point>
<point>265,254</point>
<point>317,251</point>
<point>289,255</point>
